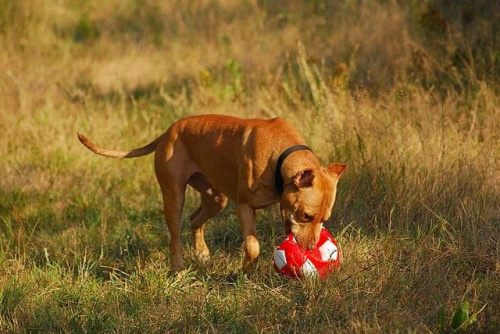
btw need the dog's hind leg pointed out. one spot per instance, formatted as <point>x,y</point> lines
<point>212,202</point>
<point>173,202</point>
<point>172,172</point>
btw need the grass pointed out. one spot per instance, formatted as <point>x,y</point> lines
<point>405,93</point>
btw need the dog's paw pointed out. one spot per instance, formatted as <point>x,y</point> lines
<point>201,254</point>
<point>202,257</point>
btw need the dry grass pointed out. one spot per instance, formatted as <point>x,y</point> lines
<point>405,93</point>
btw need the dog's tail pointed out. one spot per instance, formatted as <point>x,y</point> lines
<point>138,152</point>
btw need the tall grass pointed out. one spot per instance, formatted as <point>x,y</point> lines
<point>405,93</point>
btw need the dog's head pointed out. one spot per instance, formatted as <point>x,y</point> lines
<point>307,202</point>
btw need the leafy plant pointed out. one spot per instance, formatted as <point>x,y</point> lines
<point>460,320</point>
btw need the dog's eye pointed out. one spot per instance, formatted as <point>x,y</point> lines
<point>308,217</point>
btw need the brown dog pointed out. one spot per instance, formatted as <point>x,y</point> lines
<point>252,162</point>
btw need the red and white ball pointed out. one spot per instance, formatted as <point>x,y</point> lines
<point>291,260</point>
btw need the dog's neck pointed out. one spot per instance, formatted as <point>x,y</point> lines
<point>288,166</point>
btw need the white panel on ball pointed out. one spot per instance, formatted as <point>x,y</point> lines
<point>279,258</point>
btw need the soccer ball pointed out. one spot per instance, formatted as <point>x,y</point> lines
<point>290,259</point>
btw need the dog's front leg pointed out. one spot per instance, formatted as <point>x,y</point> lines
<point>246,215</point>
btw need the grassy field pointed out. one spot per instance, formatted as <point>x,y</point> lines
<point>406,93</point>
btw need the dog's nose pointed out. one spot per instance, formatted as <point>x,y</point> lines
<point>306,234</point>
<point>310,245</point>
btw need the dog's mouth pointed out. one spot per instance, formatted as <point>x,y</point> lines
<point>301,239</point>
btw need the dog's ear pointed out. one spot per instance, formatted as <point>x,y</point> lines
<point>335,170</point>
<point>304,178</point>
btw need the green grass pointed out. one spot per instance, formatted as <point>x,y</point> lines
<point>411,106</point>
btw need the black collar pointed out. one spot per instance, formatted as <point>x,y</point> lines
<point>279,183</point>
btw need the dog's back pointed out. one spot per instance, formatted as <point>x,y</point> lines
<point>228,150</point>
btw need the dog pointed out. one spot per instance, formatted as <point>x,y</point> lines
<point>252,162</point>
